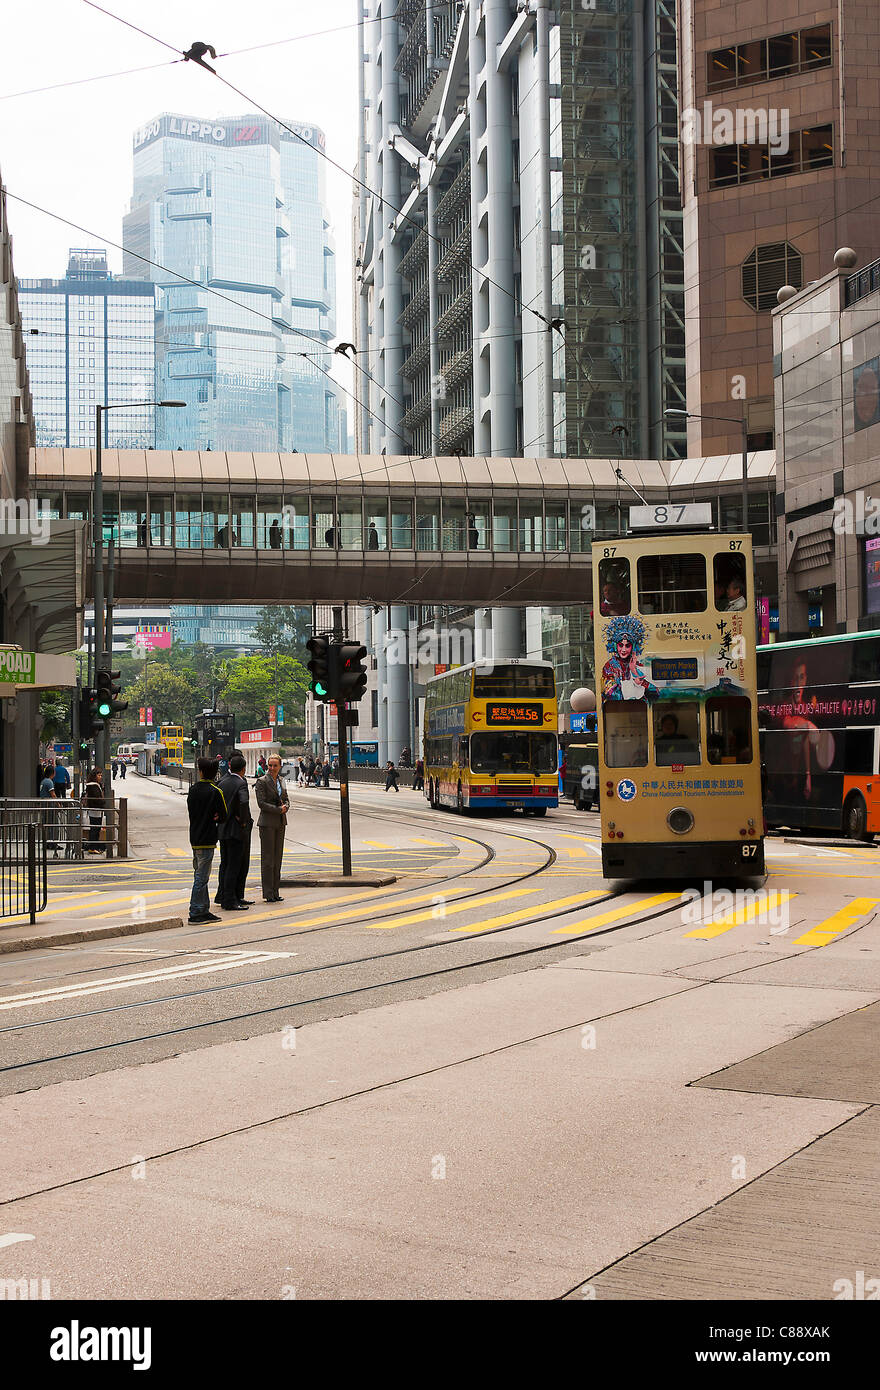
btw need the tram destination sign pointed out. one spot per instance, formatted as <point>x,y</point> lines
<point>669,515</point>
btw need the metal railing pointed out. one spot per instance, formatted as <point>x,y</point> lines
<point>69,828</point>
<point>23,884</point>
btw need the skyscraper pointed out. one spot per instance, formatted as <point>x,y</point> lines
<point>528,297</point>
<point>232,214</point>
<point>90,341</point>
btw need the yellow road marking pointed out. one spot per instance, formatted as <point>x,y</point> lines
<point>370,893</point>
<point>845,917</point>
<point>382,844</point>
<point>546,909</point>
<point>615,913</point>
<point>444,910</point>
<point>739,916</point>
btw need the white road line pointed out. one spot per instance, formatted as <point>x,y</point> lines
<point>231,960</point>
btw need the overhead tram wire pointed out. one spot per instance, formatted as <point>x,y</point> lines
<point>549,325</point>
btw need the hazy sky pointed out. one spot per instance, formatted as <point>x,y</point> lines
<point>69,149</point>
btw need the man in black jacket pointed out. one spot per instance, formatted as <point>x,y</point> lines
<point>235,839</point>
<point>207,811</point>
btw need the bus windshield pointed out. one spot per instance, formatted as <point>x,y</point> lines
<point>513,752</point>
<point>512,682</point>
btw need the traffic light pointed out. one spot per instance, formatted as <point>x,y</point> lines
<point>194,740</point>
<point>348,675</point>
<point>90,719</point>
<point>108,692</point>
<point>319,646</point>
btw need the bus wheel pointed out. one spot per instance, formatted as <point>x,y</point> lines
<point>578,799</point>
<point>855,819</point>
<point>459,801</point>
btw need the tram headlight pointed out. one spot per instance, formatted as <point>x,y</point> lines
<point>680,820</point>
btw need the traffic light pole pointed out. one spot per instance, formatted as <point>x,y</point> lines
<point>342,744</point>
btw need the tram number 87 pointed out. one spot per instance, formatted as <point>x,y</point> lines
<point>664,515</point>
<point>749,851</point>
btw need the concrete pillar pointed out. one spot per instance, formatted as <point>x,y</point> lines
<point>483,634</point>
<point>397,686</point>
<point>380,624</point>
<point>392,288</point>
<point>506,633</point>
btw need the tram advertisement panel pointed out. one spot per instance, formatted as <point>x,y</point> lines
<point>818,708</point>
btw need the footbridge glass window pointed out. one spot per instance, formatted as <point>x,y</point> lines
<point>270,523</point>
<point>555,530</point>
<point>586,524</point>
<point>132,522</point>
<point>217,531</point>
<point>351,523</point>
<point>504,526</point>
<point>427,525</point>
<point>295,523</point>
<point>401,525</point>
<point>531,523</point>
<point>161,512</point>
<point>79,506</point>
<point>111,518</point>
<point>188,522</point>
<point>326,529</point>
<point>454,526</point>
<point>376,518</point>
<point>478,525</point>
<point>243,521</point>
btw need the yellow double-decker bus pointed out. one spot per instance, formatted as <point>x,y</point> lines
<point>172,737</point>
<point>491,737</point>
<point>679,766</point>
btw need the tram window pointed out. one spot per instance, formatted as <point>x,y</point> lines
<point>626,733</point>
<point>513,752</point>
<point>729,729</point>
<point>614,588</point>
<point>730,582</point>
<point>463,752</point>
<point>672,584</point>
<point>677,733</point>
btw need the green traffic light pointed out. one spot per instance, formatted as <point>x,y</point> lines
<point>319,689</point>
<point>104,708</point>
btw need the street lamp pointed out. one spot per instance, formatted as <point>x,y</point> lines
<point>103,660</point>
<point>743,424</point>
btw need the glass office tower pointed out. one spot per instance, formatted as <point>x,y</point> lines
<point>232,214</point>
<point>90,340</point>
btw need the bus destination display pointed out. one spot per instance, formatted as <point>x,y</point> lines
<point>513,713</point>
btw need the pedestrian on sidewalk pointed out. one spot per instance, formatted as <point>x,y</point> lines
<point>62,780</point>
<point>93,802</point>
<point>114,769</point>
<point>274,804</point>
<point>122,768</point>
<point>235,839</point>
<point>325,773</point>
<point>47,793</point>
<point>392,776</point>
<point>419,776</point>
<point>207,811</point>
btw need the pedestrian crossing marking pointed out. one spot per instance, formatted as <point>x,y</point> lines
<point>443,910</point>
<point>614,914</point>
<point>545,909</point>
<point>382,844</point>
<point>838,922</point>
<point>758,907</point>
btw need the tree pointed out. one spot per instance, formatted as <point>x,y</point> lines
<point>284,629</point>
<point>172,697</point>
<point>55,709</point>
<point>249,688</point>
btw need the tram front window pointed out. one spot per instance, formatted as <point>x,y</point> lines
<point>535,753</point>
<point>672,584</point>
<point>730,582</point>
<point>729,730</point>
<point>626,733</point>
<point>677,734</point>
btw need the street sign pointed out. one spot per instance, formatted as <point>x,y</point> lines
<point>117,728</point>
<point>668,515</point>
<point>151,737</point>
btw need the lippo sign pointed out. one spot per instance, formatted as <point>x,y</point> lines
<point>256,736</point>
<point>17,668</point>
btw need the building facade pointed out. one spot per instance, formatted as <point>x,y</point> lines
<point>520,267</point>
<point>90,341</point>
<point>780,168</point>
<point>228,220</point>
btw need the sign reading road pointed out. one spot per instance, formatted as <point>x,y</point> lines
<point>17,668</point>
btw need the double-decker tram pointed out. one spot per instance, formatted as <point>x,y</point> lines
<point>679,767</point>
<point>491,737</point>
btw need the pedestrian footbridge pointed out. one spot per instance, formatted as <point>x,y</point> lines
<point>213,527</point>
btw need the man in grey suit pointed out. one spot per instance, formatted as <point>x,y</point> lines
<point>273,801</point>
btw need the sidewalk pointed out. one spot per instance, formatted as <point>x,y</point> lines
<point>464,1145</point>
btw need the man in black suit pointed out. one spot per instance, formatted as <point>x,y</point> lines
<point>235,839</point>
